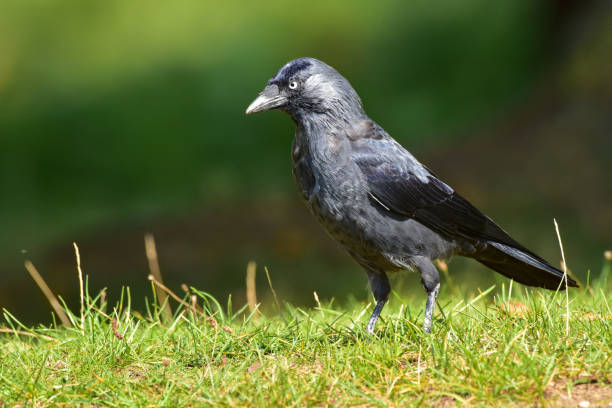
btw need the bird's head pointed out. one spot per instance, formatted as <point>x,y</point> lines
<point>308,86</point>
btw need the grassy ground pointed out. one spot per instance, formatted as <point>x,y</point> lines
<point>500,347</point>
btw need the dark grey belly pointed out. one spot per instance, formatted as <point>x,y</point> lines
<point>372,235</point>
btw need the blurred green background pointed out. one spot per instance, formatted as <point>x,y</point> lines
<point>120,118</point>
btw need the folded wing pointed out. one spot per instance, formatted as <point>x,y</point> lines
<point>403,186</point>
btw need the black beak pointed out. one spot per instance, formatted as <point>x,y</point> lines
<point>269,98</point>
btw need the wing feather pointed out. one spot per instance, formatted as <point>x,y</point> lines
<point>406,188</point>
<point>401,185</point>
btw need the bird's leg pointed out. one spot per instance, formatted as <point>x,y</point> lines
<point>431,282</point>
<point>379,283</point>
<point>374,318</point>
<point>429,307</point>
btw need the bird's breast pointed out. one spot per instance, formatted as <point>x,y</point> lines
<point>332,193</point>
<point>323,170</point>
<point>303,172</point>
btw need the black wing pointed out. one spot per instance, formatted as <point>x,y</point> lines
<point>402,185</point>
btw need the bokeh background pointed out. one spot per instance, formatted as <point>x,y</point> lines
<point>120,118</point>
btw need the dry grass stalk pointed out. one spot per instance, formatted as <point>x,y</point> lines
<point>194,304</point>
<point>81,291</point>
<point>443,266</point>
<point>25,333</point>
<point>272,288</point>
<point>192,297</point>
<point>103,299</point>
<point>567,311</point>
<point>251,287</point>
<point>162,297</point>
<point>316,298</point>
<point>48,294</point>
<point>101,312</point>
<point>167,291</point>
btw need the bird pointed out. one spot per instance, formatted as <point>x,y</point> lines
<point>389,211</point>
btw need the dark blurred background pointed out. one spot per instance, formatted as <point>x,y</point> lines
<point>121,118</point>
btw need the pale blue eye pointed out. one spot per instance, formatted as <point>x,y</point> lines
<point>293,85</point>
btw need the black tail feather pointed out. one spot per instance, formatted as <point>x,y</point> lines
<point>522,266</point>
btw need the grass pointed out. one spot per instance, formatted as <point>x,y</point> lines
<point>501,347</point>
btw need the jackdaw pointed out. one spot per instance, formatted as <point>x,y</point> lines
<point>387,209</point>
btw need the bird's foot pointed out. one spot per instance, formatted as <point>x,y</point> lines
<point>427,326</point>
<point>429,308</point>
<point>370,327</point>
